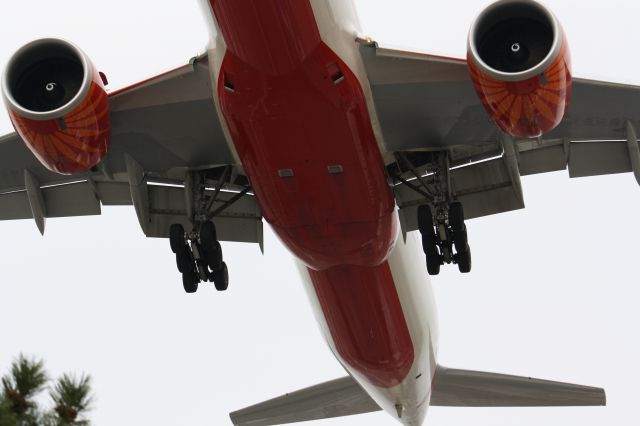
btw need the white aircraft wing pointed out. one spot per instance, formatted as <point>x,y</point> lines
<point>451,388</point>
<point>426,103</point>
<point>161,127</point>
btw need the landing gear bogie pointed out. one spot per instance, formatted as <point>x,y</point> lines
<point>444,237</point>
<point>440,215</point>
<point>199,256</point>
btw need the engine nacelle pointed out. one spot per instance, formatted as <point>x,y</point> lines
<point>520,66</point>
<point>58,105</point>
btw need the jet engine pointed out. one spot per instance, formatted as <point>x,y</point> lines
<point>520,66</point>
<point>58,105</point>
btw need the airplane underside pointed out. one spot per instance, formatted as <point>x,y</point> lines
<point>346,149</point>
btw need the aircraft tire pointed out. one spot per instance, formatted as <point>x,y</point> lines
<point>456,216</point>
<point>425,219</point>
<point>176,237</point>
<point>429,244</point>
<point>184,262</point>
<point>464,260</point>
<point>460,239</point>
<point>208,236</point>
<point>214,257</point>
<point>221,278</point>
<point>433,264</point>
<point>190,281</point>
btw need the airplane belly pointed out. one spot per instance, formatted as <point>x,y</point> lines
<point>381,324</point>
<point>365,319</point>
<point>299,122</point>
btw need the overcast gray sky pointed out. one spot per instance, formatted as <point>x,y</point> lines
<point>553,293</point>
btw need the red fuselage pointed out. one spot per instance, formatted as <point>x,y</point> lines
<point>300,124</point>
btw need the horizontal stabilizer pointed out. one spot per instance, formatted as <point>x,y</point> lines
<point>337,398</point>
<point>464,388</point>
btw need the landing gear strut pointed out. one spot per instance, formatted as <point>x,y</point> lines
<point>439,239</point>
<point>199,253</point>
<point>441,217</point>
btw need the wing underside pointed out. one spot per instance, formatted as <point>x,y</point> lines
<point>162,129</point>
<point>427,104</point>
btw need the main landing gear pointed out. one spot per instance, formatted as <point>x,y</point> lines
<point>199,257</point>
<point>440,216</point>
<point>198,253</point>
<point>442,235</point>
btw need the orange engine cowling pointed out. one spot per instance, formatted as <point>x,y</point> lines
<point>520,66</point>
<point>58,105</point>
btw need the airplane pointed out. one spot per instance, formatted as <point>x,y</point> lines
<point>441,144</point>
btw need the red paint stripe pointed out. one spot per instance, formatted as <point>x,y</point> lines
<point>273,36</point>
<point>366,321</point>
<point>291,104</point>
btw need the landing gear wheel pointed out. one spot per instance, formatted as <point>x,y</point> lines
<point>464,260</point>
<point>176,237</point>
<point>460,239</point>
<point>208,236</point>
<point>221,278</point>
<point>183,259</point>
<point>425,219</point>
<point>433,264</point>
<point>190,281</point>
<point>456,216</point>
<point>214,257</point>
<point>429,244</point>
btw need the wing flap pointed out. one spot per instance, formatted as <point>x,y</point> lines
<point>466,388</point>
<point>170,125</point>
<point>239,222</point>
<point>337,398</point>
<point>599,158</point>
<point>14,206</point>
<point>541,156</point>
<point>74,199</point>
<point>484,189</point>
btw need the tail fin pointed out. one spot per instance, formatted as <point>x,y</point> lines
<point>464,388</point>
